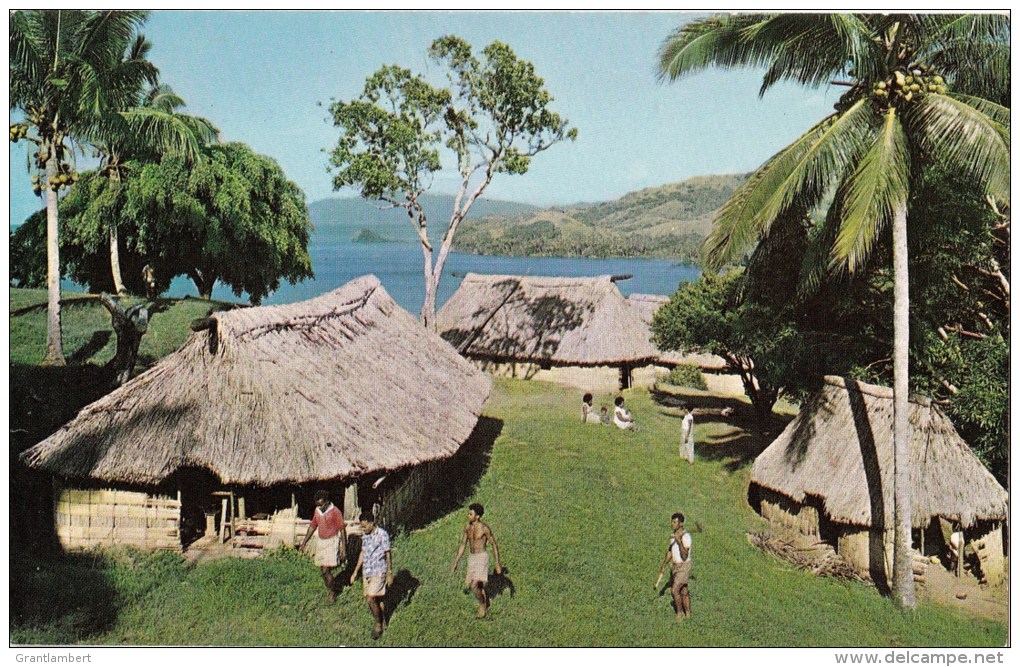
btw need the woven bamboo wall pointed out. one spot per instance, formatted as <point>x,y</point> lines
<point>87,518</point>
<point>990,553</point>
<point>855,546</point>
<point>781,510</point>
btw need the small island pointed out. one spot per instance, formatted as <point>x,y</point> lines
<point>366,235</point>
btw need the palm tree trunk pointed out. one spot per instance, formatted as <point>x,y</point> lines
<point>903,578</point>
<point>54,341</point>
<point>118,282</point>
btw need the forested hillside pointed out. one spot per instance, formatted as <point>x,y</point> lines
<point>665,221</point>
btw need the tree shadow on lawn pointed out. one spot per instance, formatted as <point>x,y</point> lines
<point>736,439</point>
<point>58,598</point>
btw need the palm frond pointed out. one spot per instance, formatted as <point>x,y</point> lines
<point>996,112</point>
<point>967,139</point>
<point>170,134</point>
<point>948,28</point>
<point>799,174</point>
<point>878,185</point>
<point>975,68</point>
<point>815,265</point>
<point>813,48</point>
<point>162,97</point>
<point>716,41</point>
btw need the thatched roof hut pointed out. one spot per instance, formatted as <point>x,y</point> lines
<point>646,305</point>
<point>544,320</point>
<point>338,386</point>
<point>840,449</point>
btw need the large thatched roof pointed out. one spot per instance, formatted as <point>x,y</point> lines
<point>562,321</point>
<point>839,448</point>
<point>646,305</point>
<point>340,385</point>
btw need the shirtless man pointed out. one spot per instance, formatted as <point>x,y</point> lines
<point>478,535</point>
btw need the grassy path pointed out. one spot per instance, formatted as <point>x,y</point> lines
<point>581,514</point>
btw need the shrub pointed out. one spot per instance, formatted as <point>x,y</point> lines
<point>687,375</point>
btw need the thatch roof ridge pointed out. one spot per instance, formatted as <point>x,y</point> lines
<point>540,281</point>
<point>876,390</point>
<point>839,450</point>
<point>646,305</point>
<point>344,384</point>
<point>575,321</point>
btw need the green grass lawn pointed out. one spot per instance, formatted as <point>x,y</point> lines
<point>581,514</point>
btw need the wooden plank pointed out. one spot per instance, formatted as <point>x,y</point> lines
<point>223,521</point>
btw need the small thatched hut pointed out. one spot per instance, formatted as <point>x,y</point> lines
<point>543,322</point>
<point>646,305</point>
<point>264,405</point>
<point>829,474</point>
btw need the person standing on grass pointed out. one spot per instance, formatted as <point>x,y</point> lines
<point>331,548</point>
<point>687,437</point>
<point>678,553</point>
<point>377,563</point>
<point>478,535</point>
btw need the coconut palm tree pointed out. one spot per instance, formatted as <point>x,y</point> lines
<point>915,87</point>
<point>60,62</point>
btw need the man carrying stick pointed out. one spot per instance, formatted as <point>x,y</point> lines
<point>478,535</point>
<point>679,554</point>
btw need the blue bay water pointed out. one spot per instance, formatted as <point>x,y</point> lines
<point>399,267</point>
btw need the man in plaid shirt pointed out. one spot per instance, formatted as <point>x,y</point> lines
<point>377,564</point>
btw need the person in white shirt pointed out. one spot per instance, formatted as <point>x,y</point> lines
<point>687,437</point>
<point>622,417</point>
<point>678,553</point>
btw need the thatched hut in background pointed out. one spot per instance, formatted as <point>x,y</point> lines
<point>829,474</point>
<point>256,410</point>
<point>524,324</point>
<point>646,306</point>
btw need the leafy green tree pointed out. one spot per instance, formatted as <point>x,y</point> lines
<point>233,217</point>
<point>896,114</point>
<point>60,62</point>
<point>961,313</point>
<point>151,126</point>
<point>495,120</point>
<point>706,315</point>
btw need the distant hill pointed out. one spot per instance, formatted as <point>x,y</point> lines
<point>666,221</point>
<point>343,217</point>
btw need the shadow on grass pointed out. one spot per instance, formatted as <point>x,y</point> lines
<point>401,593</point>
<point>59,598</point>
<point>735,439</point>
<point>456,478</point>
<point>499,584</point>
<point>94,345</point>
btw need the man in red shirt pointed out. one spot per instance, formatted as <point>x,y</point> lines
<point>331,547</point>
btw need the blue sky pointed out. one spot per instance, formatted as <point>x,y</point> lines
<point>260,76</point>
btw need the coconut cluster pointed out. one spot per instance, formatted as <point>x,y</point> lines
<point>18,132</point>
<point>65,178</point>
<point>909,83</point>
